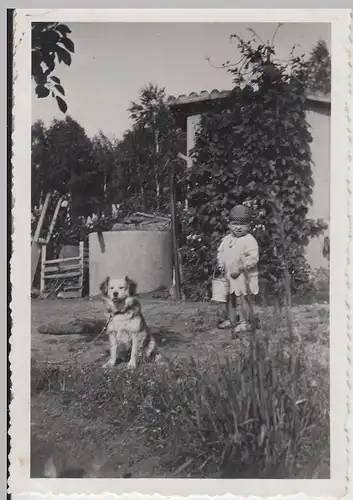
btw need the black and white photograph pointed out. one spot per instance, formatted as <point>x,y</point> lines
<point>186,265</point>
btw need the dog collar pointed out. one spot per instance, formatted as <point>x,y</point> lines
<point>112,314</point>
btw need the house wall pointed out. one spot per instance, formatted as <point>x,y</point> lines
<point>319,121</point>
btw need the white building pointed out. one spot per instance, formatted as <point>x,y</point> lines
<point>188,110</point>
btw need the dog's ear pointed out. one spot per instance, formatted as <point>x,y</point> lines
<point>104,286</point>
<point>131,285</point>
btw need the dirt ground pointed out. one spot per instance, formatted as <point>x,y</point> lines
<point>181,330</point>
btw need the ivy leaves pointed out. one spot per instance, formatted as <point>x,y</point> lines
<point>50,45</point>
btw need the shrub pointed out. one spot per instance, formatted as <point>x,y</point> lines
<point>236,419</point>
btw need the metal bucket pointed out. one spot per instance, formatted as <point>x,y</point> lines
<point>219,289</point>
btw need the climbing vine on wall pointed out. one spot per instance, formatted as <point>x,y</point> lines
<point>256,152</point>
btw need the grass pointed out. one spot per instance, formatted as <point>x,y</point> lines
<point>258,408</point>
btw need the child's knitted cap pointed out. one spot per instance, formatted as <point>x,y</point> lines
<point>240,214</point>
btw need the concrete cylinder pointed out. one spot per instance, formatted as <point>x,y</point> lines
<point>144,255</point>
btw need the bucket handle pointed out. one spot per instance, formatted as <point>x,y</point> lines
<point>214,274</point>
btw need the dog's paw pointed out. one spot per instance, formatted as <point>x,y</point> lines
<point>158,359</point>
<point>131,366</point>
<point>109,364</point>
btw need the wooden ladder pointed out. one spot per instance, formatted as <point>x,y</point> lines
<point>38,242</point>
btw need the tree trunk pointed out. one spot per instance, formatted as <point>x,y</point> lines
<point>158,190</point>
<point>158,187</point>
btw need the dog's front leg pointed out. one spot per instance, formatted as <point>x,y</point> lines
<point>113,341</point>
<point>137,344</point>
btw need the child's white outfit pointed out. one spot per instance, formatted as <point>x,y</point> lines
<point>235,254</point>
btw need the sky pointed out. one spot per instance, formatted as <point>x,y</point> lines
<point>113,61</point>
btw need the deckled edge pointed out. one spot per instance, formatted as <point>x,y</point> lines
<point>349,301</point>
<point>11,404</point>
<point>13,201</point>
<point>134,495</point>
<point>349,281</point>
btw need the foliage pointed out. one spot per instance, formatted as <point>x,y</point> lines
<point>326,248</point>
<point>39,160</point>
<point>133,158</point>
<point>50,45</point>
<point>256,152</point>
<point>148,150</point>
<point>105,156</point>
<point>319,69</point>
<point>69,231</point>
<point>242,420</point>
<point>321,279</point>
<point>146,112</point>
<point>63,161</point>
<point>95,173</point>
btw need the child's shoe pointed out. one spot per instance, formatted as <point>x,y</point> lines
<point>242,327</point>
<point>225,325</point>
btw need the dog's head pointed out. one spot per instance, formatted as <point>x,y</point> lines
<point>118,289</point>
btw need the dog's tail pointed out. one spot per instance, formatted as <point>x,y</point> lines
<point>151,347</point>
<point>152,351</point>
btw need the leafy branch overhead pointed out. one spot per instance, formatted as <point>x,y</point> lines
<point>50,45</point>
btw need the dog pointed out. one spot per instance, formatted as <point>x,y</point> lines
<point>127,328</point>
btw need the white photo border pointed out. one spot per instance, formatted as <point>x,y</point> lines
<point>340,301</point>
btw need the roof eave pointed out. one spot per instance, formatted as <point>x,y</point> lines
<point>182,102</point>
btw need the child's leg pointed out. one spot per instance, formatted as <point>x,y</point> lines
<point>224,310</point>
<point>233,311</point>
<point>252,317</point>
<point>247,313</point>
<point>245,308</point>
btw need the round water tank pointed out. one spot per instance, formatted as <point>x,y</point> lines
<point>144,255</point>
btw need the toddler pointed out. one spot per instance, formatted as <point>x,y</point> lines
<point>237,257</point>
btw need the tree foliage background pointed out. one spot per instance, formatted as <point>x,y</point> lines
<point>95,173</point>
<point>319,69</point>
<point>155,141</point>
<point>63,161</point>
